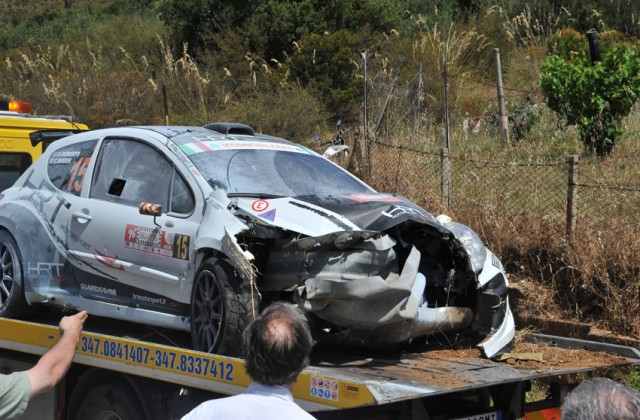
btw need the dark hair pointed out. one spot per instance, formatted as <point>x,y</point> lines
<point>601,399</point>
<point>278,344</point>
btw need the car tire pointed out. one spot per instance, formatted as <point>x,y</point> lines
<point>109,400</point>
<point>221,307</point>
<point>12,301</point>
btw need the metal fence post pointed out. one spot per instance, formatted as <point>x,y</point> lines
<point>504,118</point>
<point>445,177</point>
<point>572,196</point>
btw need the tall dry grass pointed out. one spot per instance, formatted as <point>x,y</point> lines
<point>106,86</point>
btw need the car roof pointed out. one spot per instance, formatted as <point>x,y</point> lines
<point>185,134</point>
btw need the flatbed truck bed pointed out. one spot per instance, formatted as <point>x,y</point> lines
<point>168,380</point>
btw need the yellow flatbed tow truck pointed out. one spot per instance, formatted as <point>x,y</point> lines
<point>132,372</point>
<point>19,148</point>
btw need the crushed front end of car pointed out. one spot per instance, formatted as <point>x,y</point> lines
<point>394,274</point>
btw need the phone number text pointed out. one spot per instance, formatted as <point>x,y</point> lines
<point>202,366</point>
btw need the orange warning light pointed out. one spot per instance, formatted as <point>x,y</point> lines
<point>20,106</point>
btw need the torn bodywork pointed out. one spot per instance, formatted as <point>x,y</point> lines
<point>418,276</point>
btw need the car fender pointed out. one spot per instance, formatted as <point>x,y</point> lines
<point>42,262</point>
<point>217,232</point>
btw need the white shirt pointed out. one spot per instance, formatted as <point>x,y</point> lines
<point>257,402</point>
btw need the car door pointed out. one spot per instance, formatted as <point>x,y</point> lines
<point>50,192</point>
<point>140,258</point>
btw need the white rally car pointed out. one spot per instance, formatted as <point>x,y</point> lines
<point>194,229</point>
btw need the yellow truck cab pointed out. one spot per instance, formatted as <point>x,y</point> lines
<point>23,137</point>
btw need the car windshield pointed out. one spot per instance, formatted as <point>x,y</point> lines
<point>274,173</point>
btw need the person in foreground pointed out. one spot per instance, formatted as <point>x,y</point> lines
<point>277,344</point>
<point>601,399</point>
<point>17,389</point>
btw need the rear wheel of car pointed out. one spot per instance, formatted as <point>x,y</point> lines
<point>221,307</point>
<point>12,302</point>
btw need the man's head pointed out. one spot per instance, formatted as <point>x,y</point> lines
<point>601,399</point>
<point>278,344</point>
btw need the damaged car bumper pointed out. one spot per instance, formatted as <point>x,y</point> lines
<point>364,283</point>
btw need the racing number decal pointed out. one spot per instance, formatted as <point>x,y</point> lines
<point>181,247</point>
<point>157,241</point>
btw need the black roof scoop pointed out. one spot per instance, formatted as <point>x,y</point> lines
<point>231,128</point>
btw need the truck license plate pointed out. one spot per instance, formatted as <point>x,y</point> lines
<point>493,415</point>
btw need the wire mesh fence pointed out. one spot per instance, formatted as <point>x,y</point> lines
<point>604,192</point>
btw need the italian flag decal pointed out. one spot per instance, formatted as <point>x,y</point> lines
<point>197,147</point>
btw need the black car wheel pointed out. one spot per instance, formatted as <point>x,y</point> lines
<point>104,398</point>
<point>221,307</point>
<point>12,302</point>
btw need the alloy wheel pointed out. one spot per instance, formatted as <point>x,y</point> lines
<point>6,275</point>
<point>208,311</point>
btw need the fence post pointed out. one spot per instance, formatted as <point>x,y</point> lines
<point>445,177</point>
<point>446,140</point>
<point>572,196</point>
<point>365,111</point>
<point>504,118</point>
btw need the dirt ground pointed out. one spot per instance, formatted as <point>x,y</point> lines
<point>534,307</point>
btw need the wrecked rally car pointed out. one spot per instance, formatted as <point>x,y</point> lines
<point>195,229</point>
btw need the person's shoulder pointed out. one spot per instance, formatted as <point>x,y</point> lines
<point>221,407</point>
<point>298,413</point>
<point>305,416</point>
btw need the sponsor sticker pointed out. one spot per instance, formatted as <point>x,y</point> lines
<point>397,211</point>
<point>210,146</point>
<point>268,215</point>
<point>111,262</point>
<point>324,388</point>
<point>259,205</point>
<point>374,198</point>
<point>157,241</point>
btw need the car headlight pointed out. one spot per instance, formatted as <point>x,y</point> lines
<point>471,243</point>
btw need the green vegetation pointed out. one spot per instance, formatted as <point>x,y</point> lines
<point>633,380</point>
<point>593,96</point>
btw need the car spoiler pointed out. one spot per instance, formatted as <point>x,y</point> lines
<point>46,137</point>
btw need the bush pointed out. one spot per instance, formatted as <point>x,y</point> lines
<point>593,97</point>
<point>290,112</point>
<point>326,64</point>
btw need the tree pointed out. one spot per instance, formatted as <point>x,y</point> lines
<point>194,21</point>
<point>595,97</point>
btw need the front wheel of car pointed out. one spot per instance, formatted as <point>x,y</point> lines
<point>221,307</point>
<point>12,302</point>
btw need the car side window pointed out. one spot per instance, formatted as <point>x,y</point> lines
<point>130,172</point>
<point>182,200</point>
<point>67,166</point>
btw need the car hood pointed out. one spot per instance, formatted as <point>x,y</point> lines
<point>321,215</point>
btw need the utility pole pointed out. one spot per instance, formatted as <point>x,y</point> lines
<point>504,117</point>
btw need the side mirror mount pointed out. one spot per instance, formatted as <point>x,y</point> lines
<point>150,209</point>
<point>334,150</point>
